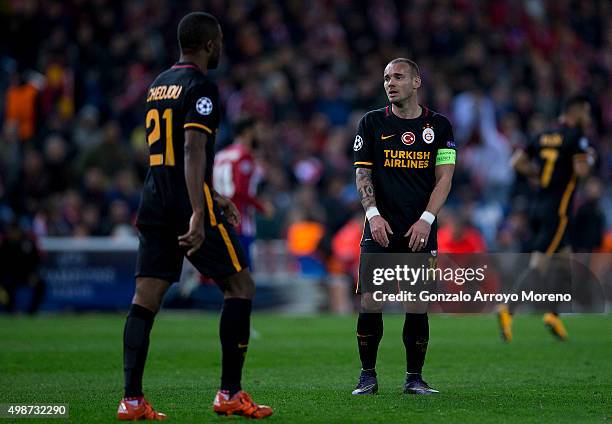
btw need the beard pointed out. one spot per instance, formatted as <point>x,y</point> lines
<point>401,101</point>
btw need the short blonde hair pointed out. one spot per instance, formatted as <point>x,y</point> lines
<point>411,63</point>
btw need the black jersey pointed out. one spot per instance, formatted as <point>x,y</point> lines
<point>554,151</point>
<point>180,98</point>
<point>403,154</point>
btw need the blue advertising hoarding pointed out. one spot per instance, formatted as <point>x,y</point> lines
<point>89,274</point>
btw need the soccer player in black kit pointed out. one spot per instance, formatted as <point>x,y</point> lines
<point>556,158</point>
<point>404,159</point>
<point>180,215</point>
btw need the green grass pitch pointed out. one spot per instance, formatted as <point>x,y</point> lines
<point>306,368</point>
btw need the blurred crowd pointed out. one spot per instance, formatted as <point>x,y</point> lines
<point>73,76</point>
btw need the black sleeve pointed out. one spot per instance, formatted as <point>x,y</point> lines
<point>202,108</point>
<point>363,146</point>
<point>446,149</point>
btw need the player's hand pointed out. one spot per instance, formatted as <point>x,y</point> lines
<point>230,210</point>
<point>419,234</point>
<point>231,213</point>
<point>379,229</point>
<point>534,182</point>
<point>193,238</point>
<point>268,210</point>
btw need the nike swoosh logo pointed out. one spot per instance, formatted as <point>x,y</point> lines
<point>384,137</point>
<point>365,389</point>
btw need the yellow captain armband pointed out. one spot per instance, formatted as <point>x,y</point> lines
<point>446,157</point>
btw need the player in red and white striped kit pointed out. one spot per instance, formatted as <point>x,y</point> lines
<point>236,176</point>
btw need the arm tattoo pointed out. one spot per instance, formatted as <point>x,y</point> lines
<point>365,187</point>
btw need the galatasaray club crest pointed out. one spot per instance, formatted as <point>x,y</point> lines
<point>428,135</point>
<point>408,138</point>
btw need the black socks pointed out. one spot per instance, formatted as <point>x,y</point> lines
<point>135,347</point>
<point>369,334</point>
<point>234,331</point>
<point>416,338</point>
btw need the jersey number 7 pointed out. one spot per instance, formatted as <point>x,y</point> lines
<point>550,157</point>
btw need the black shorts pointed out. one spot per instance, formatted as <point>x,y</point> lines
<point>160,256</point>
<point>549,228</point>
<point>398,244</point>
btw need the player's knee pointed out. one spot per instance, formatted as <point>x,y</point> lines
<point>368,304</point>
<point>239,285</point>
<point>415,307</point>
<point>146,300</point>
<point>149,293</point>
